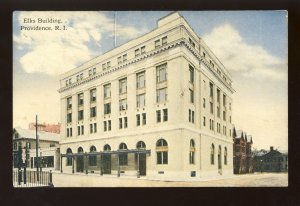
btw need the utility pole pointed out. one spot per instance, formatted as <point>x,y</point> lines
<point>37,149</point>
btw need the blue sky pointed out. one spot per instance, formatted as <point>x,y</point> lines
<point>251,44</point>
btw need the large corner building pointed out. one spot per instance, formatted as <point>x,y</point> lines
<point>159,106</point>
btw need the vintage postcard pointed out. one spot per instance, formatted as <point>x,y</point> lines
<point>150,98</point>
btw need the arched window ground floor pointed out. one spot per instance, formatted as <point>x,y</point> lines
<point>169,155</point>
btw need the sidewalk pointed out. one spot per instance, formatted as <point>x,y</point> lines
<point>95,180</point>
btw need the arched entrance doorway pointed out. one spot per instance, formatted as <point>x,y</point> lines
<point>141,158</point>
<point>79,161</point>
<point>106,160</point>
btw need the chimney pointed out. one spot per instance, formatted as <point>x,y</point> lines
<point>271,148</point>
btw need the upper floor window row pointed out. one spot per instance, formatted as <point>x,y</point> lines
<point>106,65</point>
<point>122,59</point>
<point>161,42</point>
<point>68,81</point>
<point>80,99</point>
<point>140,51</point>
<point>92,71</point>
<point>79,77</point>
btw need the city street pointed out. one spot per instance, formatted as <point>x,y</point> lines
<point>246,180</point>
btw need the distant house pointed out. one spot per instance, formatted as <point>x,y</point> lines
<point>24,148</point>
<point>273,161</point>
<point>242,152</point>
<point>52,128</point>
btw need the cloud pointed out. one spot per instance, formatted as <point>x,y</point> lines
<point>57,51</point>
<point>239,56</point>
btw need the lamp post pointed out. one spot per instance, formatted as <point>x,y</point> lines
<point>261,166</point>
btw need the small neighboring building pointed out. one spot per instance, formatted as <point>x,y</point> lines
<point>53,128</point>
<point>273,161</point>
<point>24,148</point>
<point>242,152</point>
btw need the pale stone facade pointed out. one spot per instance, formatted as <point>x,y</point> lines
<point>173,57</point>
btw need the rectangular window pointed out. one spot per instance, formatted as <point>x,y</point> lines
<point>165,112</point>
<point>137,52</point>
<point>218,111</point>
<point>90,72</point>
<point>80,115</point>
<point>93,95</point>
<point>95,127</point>
<point>191,96</point>
<point>124,57</point>
<point>78,130</point>
<point>164,40</point>
<point>158,116</point>
<point>69,117</point>
<point>144,118</point>
<point>140,80</point>
<point>82,129</point>
<point>192,157</point>
<point>211,89</point>
<point>107,108</point>
<point>190,115</point>
<point>109,125</point>
<point>211,108</point>
<point>123,86</point>
<point>138,119</point>
<point>203,102</point>
<point>193,116</point>
<point>93,112</point>
<point>123,104</point>
<point>224,115</point>
<point>218,95</point>
<point>108,64</point>
<point>161,73</point>
<point>162,157</point>
<point>120,60</point>
<point>67,132</point>
<point>125,122</point>
<point>91,128</point>
<point>140,100</point>
<point>120,123</point>
<point>161,95</point>
<point>224,100</point>
<point>212,125</point>
<point>229,106</point>
<point>107,91</point>
<point>94,71</point>
<point>191,74</point>
<point>80,99</point>
<point>103,66</point>
<point>69,103</point>
<point>105,126</point>
<point>143,49</point>
<point>81,76</point>
<point>204,121</point>
<point>157,43</point>
<point>77,78</point>
<point>71,132</point>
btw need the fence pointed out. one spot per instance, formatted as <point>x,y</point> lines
<point>28,178</point>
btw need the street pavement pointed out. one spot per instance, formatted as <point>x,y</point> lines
<point>245,180</point>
